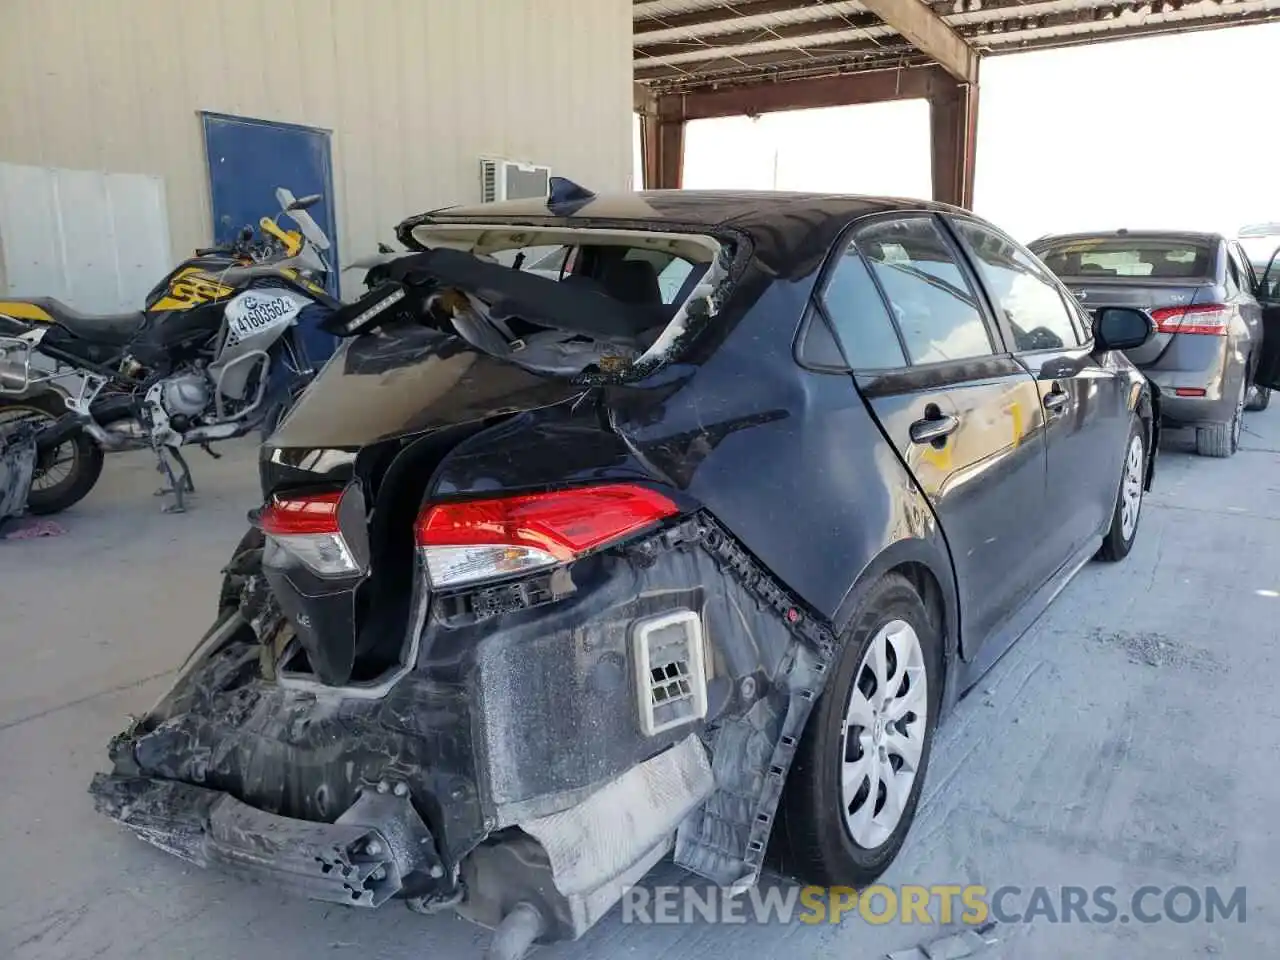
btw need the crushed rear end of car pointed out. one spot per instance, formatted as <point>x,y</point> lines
<point>482,650</point>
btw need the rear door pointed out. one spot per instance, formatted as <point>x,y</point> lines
<point>1085,399</point>
<point>961,412</point>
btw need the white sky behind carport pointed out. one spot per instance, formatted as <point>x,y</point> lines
<point>1178,132</point>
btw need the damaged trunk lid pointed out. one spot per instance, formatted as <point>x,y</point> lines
<point>346,473</point>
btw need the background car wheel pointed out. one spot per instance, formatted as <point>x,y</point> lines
<point>1222,439</point>
<point>853,788</point>
<point>1133,475</point>
<point>65,475</point>
<point>1259,398</point>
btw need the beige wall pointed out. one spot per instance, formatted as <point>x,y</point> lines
<point>415,91</point>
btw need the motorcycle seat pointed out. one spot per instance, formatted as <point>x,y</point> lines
<point>116,329</point>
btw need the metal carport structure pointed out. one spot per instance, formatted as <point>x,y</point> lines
<point>699,59</point>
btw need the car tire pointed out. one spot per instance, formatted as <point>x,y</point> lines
<point>1128,511</point>
<point>1259,399</point>
<point>1223,439</point>
<point>815,840</point>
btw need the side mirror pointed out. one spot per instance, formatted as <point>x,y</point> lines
<point>1122,328</point>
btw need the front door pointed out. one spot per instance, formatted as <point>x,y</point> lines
<point>962,413</point>
<point>248,159</point>
<point>1268,371</point>
<point>1084,400</point>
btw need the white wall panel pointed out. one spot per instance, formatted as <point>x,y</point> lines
<point>96,241</point>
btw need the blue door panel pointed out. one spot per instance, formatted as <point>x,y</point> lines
<point>249,158</point>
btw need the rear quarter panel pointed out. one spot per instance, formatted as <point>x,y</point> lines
<point>789,460</point>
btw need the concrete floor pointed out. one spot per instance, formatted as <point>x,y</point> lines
<point>1129,738</point>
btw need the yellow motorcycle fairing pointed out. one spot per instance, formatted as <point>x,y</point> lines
<point>191,287</point>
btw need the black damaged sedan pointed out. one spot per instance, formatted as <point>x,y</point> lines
<point>622,527</point>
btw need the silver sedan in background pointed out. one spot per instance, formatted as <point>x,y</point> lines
<point>1201,291</point>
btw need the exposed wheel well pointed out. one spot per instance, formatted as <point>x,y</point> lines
<point>930,590</point>
<point>1149,413</point>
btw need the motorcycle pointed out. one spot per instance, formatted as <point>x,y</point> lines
<point>219,351</point>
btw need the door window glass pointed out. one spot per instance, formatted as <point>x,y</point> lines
<point>1243,270</point>
<point>933,304</point>
<point>859,317</point>
<point>1233,278</point>
<point>1038,316</point>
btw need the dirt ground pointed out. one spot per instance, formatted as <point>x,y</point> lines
<point>1130,738</point>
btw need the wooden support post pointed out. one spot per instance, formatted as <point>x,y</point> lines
<point>662,145</point>
<point>953,122</point>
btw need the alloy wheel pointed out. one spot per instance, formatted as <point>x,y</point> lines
<point>1131,488</point>
<point>884,733</point>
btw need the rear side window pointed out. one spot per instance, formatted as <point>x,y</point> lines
<point>1248,282</point>
<point>932,302</point>
<point>1125,256</point>
<point>859,317</point>
<point>1234,280</point>
<point>1032,304</point>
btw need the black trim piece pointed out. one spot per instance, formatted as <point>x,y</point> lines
<point>817,309</point>
<point>938,375</point>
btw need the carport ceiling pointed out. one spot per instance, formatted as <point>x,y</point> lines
<point>686,45</point>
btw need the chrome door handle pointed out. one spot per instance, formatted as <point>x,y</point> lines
<point>1055,402</point>
<point>934,428</point>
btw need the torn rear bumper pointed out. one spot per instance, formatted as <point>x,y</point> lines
<point>377,849</point>
<point>525,767</point>
<point>17,466</point>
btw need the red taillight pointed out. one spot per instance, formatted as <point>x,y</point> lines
<point>483,539</point>
<point>286,517</point>
<point>306,528</point>
<point>1188,391</point>
<point>1207,318</point>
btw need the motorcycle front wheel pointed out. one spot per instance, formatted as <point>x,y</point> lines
<point>64,475</point>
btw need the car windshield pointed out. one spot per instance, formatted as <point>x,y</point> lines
<point>1108,257</point>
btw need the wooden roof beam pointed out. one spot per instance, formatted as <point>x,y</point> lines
<point>929,34</point>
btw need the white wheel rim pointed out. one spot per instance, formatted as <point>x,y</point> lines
<point>884,727</point>
<point>1131,489</point>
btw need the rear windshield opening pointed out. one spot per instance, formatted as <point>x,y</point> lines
<point>1158,259</point>
<point>613,301</point>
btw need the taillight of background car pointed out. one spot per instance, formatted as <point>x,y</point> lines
<point>479,540</point>
<point>1211,319</point>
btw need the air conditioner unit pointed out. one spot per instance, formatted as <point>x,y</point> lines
<point>512,180</point>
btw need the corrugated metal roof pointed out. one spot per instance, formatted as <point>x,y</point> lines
<point>687,44</point>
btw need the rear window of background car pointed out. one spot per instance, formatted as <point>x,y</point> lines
<point>932,302</point>
<point>1129,257</point>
